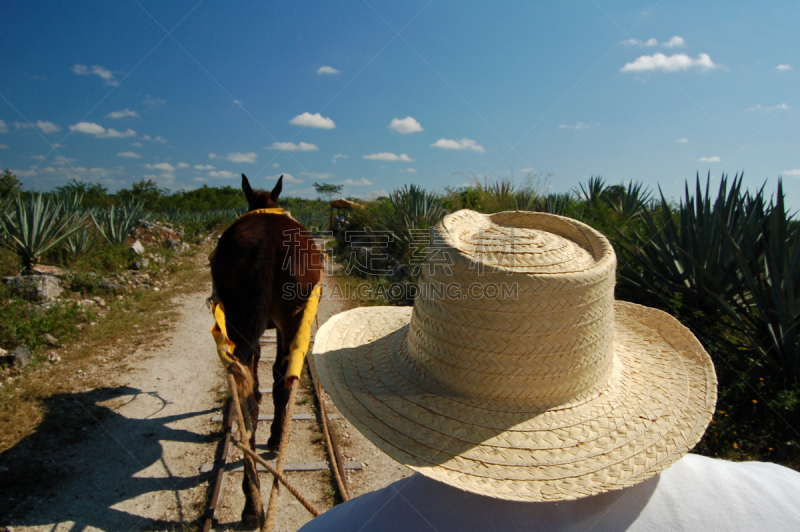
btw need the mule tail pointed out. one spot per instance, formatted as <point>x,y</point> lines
<point>244,392</point>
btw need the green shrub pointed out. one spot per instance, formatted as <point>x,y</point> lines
<point>24,324</point>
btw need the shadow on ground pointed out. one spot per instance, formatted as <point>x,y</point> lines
<point>89,465</point>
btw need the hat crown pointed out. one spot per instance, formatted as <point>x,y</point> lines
<point>514,306</point>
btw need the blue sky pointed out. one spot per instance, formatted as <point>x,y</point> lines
<point>376,94</point>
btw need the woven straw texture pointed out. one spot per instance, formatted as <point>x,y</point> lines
<point>552,392</point>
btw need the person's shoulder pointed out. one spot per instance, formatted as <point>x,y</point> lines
<point>713,468</point>
<point>360,512</point>
<point>698,492</point>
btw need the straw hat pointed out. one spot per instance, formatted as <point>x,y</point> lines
<point>516,375</point>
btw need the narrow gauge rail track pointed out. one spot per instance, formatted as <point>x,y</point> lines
<point>309,428</point>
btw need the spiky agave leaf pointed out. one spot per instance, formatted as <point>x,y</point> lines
<point>115,223</point>
<point>767,306</point>
<point>412,210</point>
<point>665,264</point>
<point>35,226</point>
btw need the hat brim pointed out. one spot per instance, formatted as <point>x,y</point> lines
<point>653,410</point>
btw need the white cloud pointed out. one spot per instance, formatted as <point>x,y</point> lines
<point>129,154</point>
<point>675,42</point>
<point>405,125</point>
<point>90,128</point>
<point>683,140</point>
<point>795,172</point>
<point>136,144</point>
<point>47,127</point>
<point>213,156</point>
<point>164,177</point>
<point>242,157</point>
<point>637,42</point>
<point>779,107</point>
<point>386,156</point>
<point>463,144</point>
<point>201,179</point>
<point>287,178</point>
<point>577,127</point>
<point>275,165</point>
<point>223,174</point>
<point>291,146</point>
<point>113,133</point>
<point>157,139</point>
<point>713,159</point>
<point>318,175</point>
<point>183,165</point>
<point>122,114</point>
<point>338,156</point>
<point>60,160</point>
<point>783,67</point>
<point>103,73</point>
<point>3,146</point>
<point>204,167</point>
<point>327,70</point>
<point>411,170</point>
<point>361,182</point>
<point>670,63</point>
<point>166,167</point>
<point>44,127</point>
<point>315,120</point>
<point>3,127</point>
<point>152,103</point>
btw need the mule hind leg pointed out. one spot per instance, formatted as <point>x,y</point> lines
<point>280,392</point>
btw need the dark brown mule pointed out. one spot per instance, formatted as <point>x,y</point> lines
<point>263,270</point>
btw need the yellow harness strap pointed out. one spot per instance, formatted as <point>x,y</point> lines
<point>301,341</point>
<point>224,345</point>
<point>274,210</point>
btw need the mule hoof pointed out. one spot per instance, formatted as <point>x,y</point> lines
<point>274,444</point>
<point>249,520</point>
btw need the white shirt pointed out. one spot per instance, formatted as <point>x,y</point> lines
<point>696,493</point>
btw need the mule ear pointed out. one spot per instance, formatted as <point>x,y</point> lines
<point>248,191</point>
<point>277,190</point>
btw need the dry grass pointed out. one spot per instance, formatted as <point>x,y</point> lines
<point>94,360</point>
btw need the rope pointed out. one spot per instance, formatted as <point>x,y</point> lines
<point>278,475</point>
<point>287,427</point>
<point>251,472</point>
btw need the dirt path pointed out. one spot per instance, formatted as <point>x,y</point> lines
<point>139,465</point>
<point>306,445</point>
<point>138,469</point>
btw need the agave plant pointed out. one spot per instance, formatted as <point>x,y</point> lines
<point>594,191</point>
<point>525,200</point>
<point>311,219</point>
<point>767,305</point>
<point>81,241</point>
<point>33,227</point>
<point>410,209</point>
<point>676,262</point>
<point>115,223</point>
<point>629,202</point>
<point>563,204</point>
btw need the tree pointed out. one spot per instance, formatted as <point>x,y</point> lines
<point>146,191</point>
<point>91,194</point>
<point>9,184</point>
<point>327,190</point>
